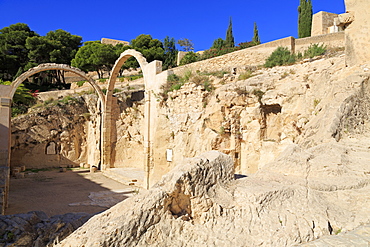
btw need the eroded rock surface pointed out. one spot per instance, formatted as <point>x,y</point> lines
<point>200,204</point>
<point>36,229</point>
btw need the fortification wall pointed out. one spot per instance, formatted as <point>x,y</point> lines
<point>321,22</point>
<point>257,55</point>
<point>330,40</point>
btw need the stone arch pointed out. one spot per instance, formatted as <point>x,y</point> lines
<point>152,85</point>
<point>107,122</point>
<point>54,66</point>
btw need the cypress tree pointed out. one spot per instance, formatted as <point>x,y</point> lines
<point>304,18</point>
<point>256,37</point>
<point>229,42</point>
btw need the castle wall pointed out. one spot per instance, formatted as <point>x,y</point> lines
<point>330,40</point>
<point>257,55</point>
<point>321,22</point>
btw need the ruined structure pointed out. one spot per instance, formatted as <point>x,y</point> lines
<point>294,127</point>
<point>113,41</point>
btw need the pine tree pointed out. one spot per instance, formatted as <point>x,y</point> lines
<point>229,42</point>
<point>256,37</point>
<point>304,18</point>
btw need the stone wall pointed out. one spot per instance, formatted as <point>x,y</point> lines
<point>357,32</point>
<point>332,40</point>
<point>321,22</point>
<point>257,55</point>
<point>234,120</point>
<point>114,41</point>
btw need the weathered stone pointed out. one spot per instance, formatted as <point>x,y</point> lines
<point>36,229</point>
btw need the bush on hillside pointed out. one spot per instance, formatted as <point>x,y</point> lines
<point>190,57</point>
<point>281,56</point>
<point>315,50</point>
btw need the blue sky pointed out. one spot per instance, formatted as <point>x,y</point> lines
<point>200,21</point>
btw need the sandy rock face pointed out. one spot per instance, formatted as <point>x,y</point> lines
<point>56,134</point>
<point>182,195</point>
<point>36,229</point>
<point>295,200</point>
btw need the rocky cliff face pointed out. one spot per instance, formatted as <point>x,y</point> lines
<point>56,133</point>
<point>302,130</point>
<point>254,120</point>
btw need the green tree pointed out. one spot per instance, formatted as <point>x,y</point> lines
<point>23,98</point>
<point>229,41</point>
<point>152,49</point>
<point>218,43</point>
<point>281,56</point>
<point>189,57</point>
<point>304,18</point>
<point>256,37</point>
<point>95,56</point>
<point>118,49</point>
<point>13,51</point>
<point>57,47</point>
<point>170,53</point>
<point>186,44</point>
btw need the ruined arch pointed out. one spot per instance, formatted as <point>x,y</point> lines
<point>107,121</point>
<point>150,70</point>
<point>54,66</point>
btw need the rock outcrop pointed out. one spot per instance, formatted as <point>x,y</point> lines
<point>181,196</point>
<point>199,204</point>
<point>54,134</point>
<point>305,128</point>
<point>35,229</point>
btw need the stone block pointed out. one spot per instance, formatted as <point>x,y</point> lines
<point>93,169</point>
<point>20,175</point>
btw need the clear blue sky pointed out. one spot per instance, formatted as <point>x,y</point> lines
<point>200,21</point>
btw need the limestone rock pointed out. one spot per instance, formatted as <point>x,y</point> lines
<point>36,229</point>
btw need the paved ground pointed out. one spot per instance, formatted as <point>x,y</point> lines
<point>57,192</point>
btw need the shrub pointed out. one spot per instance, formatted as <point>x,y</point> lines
<point>244,45</point>
<point>174,82</point>
<point>281,56</point>
<point>22,100</point>
<point>80,83</point>
<point>245,75</point>
<point>190,57</point>
<point>315,50</point>
<point>258,93</point>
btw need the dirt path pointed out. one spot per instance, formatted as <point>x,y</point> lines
<point>56,192</point>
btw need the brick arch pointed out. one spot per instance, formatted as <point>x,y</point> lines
<point>54,66</point>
